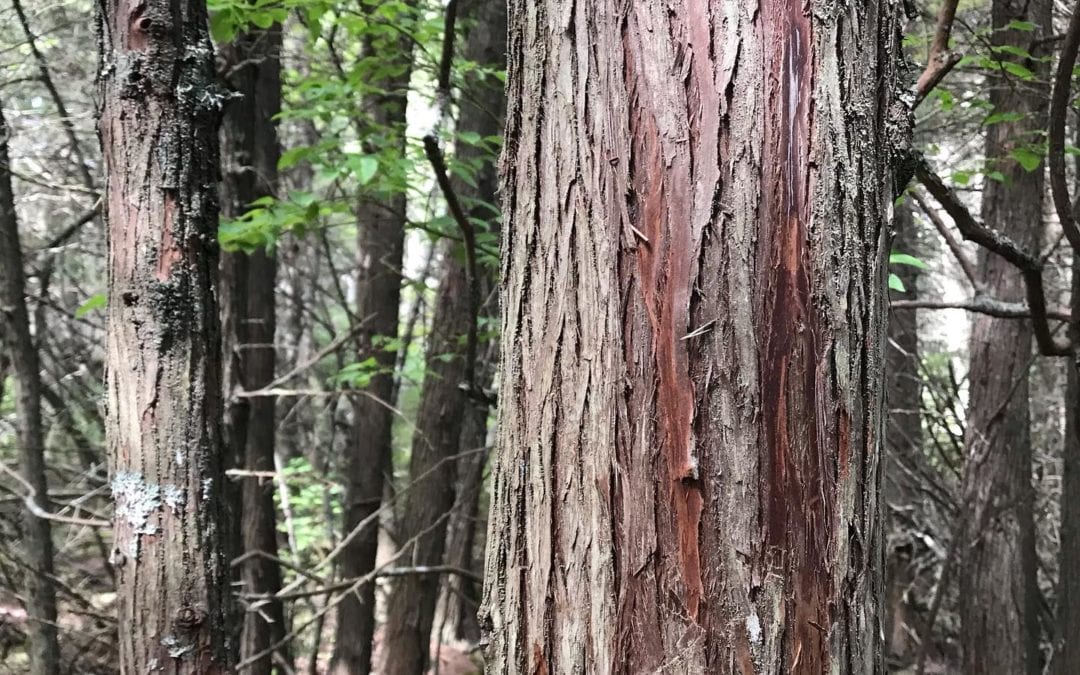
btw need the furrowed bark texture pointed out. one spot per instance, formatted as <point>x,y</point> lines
<point>251,151</point>
<point>998,574</point>
<point>380,244</point>
<point>159,113</point>
<point>18,344</point>
<point>691,402</point>
<point>444,402</point>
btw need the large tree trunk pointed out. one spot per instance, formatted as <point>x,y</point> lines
<point>380,244</point>
<point>251,149</point>
<point>998,575</point>
<point>18,343</point>
<point>691,397</point>
<point>160,108</point>
<point>444,402</point>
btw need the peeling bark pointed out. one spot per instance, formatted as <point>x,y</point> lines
<point>690,408</point>
<point>159,113</point>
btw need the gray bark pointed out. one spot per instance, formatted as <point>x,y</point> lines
<point>160,108</point>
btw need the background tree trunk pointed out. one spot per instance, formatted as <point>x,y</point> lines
<point>444,403</point>
<point>998,582</point>
<point>17,341</point>
<point>380,246</point>
<point>159,113</point>
<point>251,149</point>
<point>903,443</point>
<point>1067,656</point>
<point>690,409</point>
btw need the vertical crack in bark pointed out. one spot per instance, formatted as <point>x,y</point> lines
<point>795,378</point>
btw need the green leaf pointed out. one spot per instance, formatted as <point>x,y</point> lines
<point>292,156</point>
<point>1026,26</point>
<point>995,176</point>
<point>905,259</point>
<point>999,117</point>
<point>222,26</point>
<point>1027,158</point>
<point>96,301</point>
<point>1017,70</point>
<point>961,177</point>
<point>364,167</point>
<point>895,283</point>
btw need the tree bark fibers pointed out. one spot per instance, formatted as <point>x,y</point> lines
<point>159,114</point>
<point>690,409</point>
<point>17,343</point>
<point>998,574</point>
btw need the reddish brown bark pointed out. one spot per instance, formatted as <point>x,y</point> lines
<point>158,124</point>
<point>690,403</point>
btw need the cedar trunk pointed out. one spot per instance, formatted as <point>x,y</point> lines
<point>691,398</point>
<point>380,246</point>
<point>251,151</point>
<point>445,402</point>
<point>18,343</point>
<point>998,574</point>
<point>159,114</point>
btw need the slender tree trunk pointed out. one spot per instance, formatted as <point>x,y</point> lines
<point>1067,657</point>
<point>998,574</point>
<point>460,595</point>
<point>159,114</point>
<point>380,244</point>
<point>693,328</point>
<point>444,403</point>
<point>18,343</point>
<point>903,442</point>
<point>249,139</point>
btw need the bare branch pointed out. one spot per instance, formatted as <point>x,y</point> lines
<point>1059,103</point>
<point>941,60</point>
<point>1029,265</point>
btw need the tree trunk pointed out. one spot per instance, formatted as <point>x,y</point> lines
<point>249,139</point>
<point>459,596</point>
<point>17,341</point>
<point>380,244</point>
<point>1067,657</point>
<point>903,445</point>
<point>691,396</point>
<point>159,114</point>
<point>998,575</point>
<point>444,403</point>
